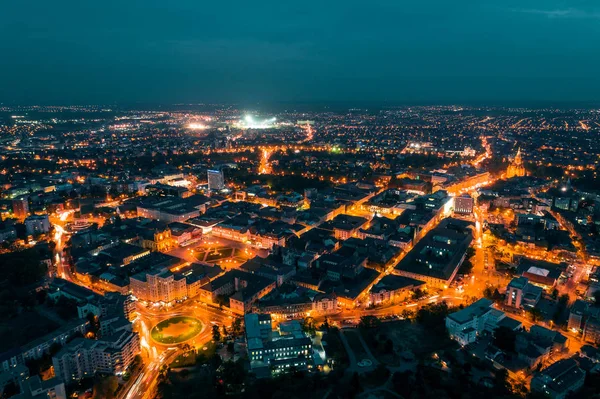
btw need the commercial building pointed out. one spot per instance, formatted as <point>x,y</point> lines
<point>278,351</point>
<point>466,325</point>
<point>172,209</point>
<point>123,254</point>
<point>521,294</point>
<point>463,204</point>
<point>216,180</point>
<point>436,258</point>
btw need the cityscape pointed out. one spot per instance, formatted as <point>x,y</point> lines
<point>160,241</point>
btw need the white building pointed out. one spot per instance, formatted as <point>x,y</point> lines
<point>216,179</point>
<point>82,357</point>
<point>467,324</point>
<point>37,224</point>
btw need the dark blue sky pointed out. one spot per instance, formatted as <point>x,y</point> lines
<point>78,51</point>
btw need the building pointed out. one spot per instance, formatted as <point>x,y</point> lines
<point>516,167</point>
<point>8,234</point>
<point>240,288</point>
<point>278,351</point>
<point>436,258</point>
<point>36,388</point>
<point>156,236</point>
<point>36,348</point>
<point>591,331</point>
<point>464,204</point>
<point>158,285</point>
<point>541,273</point>
<point>393,289</point>
<point>577,315</point>
<point>465,325</point>
<point>344,226</point>
<point>521,294</point>
<point>123,254</point>
<point>172,209</point>
<point>559,379</point>
<point>37,224</point>
<point>469,323</point>
<point>216,180</point>
<point>20,207</point>
<point>83,358</point>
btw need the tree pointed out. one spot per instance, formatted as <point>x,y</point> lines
<point>466,267</point>
<point>105,387</point>
<point>369,322</point>
<point>407,314</point>
<point>23,267</point>
<point>233,373</point>
<point>236,326</point>
<point>505,339</point>
<point>493,294</point>
<point>308,325</point>
<point>433,315</point>
<point>596,296</point>
<point>535,314</point>
<point>10,389</point>
<point>403,383</point>
<point>216,333</point>
<point>354,388</point>
<point>163,373</point>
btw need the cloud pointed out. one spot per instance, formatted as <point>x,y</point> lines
<point>560,13</point>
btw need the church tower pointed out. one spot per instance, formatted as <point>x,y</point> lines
<point>516,167</point>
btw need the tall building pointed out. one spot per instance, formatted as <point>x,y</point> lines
<point>216,179</point>
<point>20,207</point>
<point>521,294</point>
<point>516,167</point>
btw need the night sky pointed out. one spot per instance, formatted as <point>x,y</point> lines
<point>170,51</point>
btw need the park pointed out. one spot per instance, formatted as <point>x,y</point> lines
<point>176,330</point>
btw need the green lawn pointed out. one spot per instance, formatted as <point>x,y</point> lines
<point>176,330</point>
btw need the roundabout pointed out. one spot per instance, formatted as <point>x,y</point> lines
<point>176,330</point>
